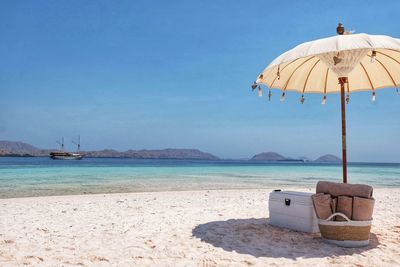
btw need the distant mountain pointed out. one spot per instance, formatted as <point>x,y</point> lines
<point>20,149</point>
<point>105,153</point>
<point>269,156</point>
<point>169,153</point>
<point>273,156</point>
<point>328,159</point>
<point>17,147</point>
<point>11,148</point>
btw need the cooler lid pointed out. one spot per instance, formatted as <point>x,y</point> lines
<point>302,198</point>
<point>294,193</point>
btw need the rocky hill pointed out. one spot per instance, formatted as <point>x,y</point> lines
<point>11,148</point>
<point>17,147</point>
<point>268,156</point>
<point>328,158</point>
<point>273,156</point>
<point>105,153</point>
<point>153,154</point>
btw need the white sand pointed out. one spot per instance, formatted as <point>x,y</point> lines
<point>200,228</point>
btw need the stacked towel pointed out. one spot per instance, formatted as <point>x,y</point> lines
<point>362,208</point>
<point>353,200</point>
<point>322,205</point>
<point>339,189</point>
<point>345,206</point>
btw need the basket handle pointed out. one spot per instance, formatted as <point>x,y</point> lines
<point>338,214</point>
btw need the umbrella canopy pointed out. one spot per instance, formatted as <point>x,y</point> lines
<point>369,62</point>
<point>344,63</point>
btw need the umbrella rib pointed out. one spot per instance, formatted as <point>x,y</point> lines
<point>392,58</point>
<point>383,66</point>
<point>291,75</point>
<point>326,80</point>
<point>369,79</point>
<point>394,50</point>
<point>283,69</point>
<point>308,75</point>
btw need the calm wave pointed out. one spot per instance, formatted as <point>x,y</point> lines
<point>20,177</point>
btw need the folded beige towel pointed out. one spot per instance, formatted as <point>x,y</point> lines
<point>345,206</point>
<point>362,209</point>
<point>340,189</point>
<point>322,205</point>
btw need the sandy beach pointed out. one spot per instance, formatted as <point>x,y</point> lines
<point>187,228</point>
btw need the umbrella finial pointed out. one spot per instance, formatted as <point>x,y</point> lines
<point>340,29</point>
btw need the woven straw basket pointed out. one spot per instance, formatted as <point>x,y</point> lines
<point>345,233</point>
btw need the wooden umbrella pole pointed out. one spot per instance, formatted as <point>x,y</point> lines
<point>342,81</point>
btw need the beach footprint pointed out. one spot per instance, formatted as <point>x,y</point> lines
<point>209,263</point>
<point>150,244</point>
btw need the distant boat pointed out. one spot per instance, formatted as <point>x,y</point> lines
<point>63,155</point>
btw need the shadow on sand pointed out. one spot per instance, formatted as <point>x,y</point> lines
<point>257,238</point>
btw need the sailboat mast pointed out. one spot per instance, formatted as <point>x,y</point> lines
<point>78,144</point>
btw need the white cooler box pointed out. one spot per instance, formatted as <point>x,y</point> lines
<point>293,210</point>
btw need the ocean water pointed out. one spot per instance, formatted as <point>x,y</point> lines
<point>25,177</point>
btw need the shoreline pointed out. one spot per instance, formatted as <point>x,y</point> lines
<point>179,228</point>
<point>305,189</point>
<point>150,190</point>
<point>111,190</point>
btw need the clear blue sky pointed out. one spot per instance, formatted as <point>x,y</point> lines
<point>159,74</point>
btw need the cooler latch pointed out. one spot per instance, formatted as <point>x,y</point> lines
<point>287,202</point>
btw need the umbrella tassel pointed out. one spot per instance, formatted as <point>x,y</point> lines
<point>323,100</point>
<point>283,96</point>
<point>278,73</point>
<point>348,91</point>
<point>397,90</point>
<point>253,86</point>
<point>302,99</point>
<point>373,96</point>
<point>259,91</point>
<point>269,95</point>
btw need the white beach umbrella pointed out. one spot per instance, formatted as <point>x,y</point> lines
<point>344,63</point>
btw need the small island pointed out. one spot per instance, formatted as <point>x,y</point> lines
<point>328,158</point>
<point>275,157</point>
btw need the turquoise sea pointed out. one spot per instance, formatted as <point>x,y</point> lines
<point>21,177</point>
